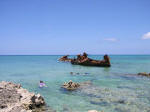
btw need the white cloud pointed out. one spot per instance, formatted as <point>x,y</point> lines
<point>146,36</point>
<point>111,39</point>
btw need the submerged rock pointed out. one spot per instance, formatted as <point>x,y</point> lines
<point>14,98</point>
<point>114,99</point>
<point>122,99</point>
<point>66,109</point>
<point>81,74</point>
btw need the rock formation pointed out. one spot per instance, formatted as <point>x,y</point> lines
<point>65,58</point>
<point>13,98</point>
<point>73,86</point>
<point>70,86</point>
<point>84,60</point>
<point>92,111</point>
<point>144,74</point>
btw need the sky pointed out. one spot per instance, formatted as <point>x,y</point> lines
<point>51,27</point>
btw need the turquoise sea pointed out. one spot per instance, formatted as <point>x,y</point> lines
<point>114,89</point>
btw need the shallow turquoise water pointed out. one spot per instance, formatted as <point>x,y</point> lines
<point>114,89</point>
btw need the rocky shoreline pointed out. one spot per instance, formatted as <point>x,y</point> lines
<point>14,98</point>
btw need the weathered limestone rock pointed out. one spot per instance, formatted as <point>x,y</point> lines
<point>92,111</point>
<point>70,86</point>
<point>13,98</point>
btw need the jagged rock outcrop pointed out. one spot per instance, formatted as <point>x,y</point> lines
<point>91,62</point>
<point>92,111</point>
<point>65,58</point>
<point>70,86</point>
<point>86,61</point>
<point>14,98</point>
<point>144,74</point>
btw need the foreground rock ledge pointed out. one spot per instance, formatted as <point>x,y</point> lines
<point>13,98</point>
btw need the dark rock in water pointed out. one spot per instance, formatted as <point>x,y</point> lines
<point>99,103</point>
<point>65,58</point>
<point>86,73</point>
<point>126,87</point>
<point>144,74</point>
<point>71,73</point>
<point>128,77</point>
<point>13,98</point>
<point>85,61</point>
<point>121,101</point>
<point>81,74</point>
<point>70,86</point>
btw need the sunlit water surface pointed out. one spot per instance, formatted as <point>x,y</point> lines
<point>114,89</point>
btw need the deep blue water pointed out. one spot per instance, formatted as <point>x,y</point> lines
<point>115,89</point>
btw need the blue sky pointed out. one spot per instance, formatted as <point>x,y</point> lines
<point>74,26</point>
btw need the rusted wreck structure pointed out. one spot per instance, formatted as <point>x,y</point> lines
<point>86,61</point>
<point>65,58</point>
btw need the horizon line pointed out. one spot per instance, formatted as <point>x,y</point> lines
<point>60,54</point>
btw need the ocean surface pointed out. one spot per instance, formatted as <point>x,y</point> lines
<point>114,89</point>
